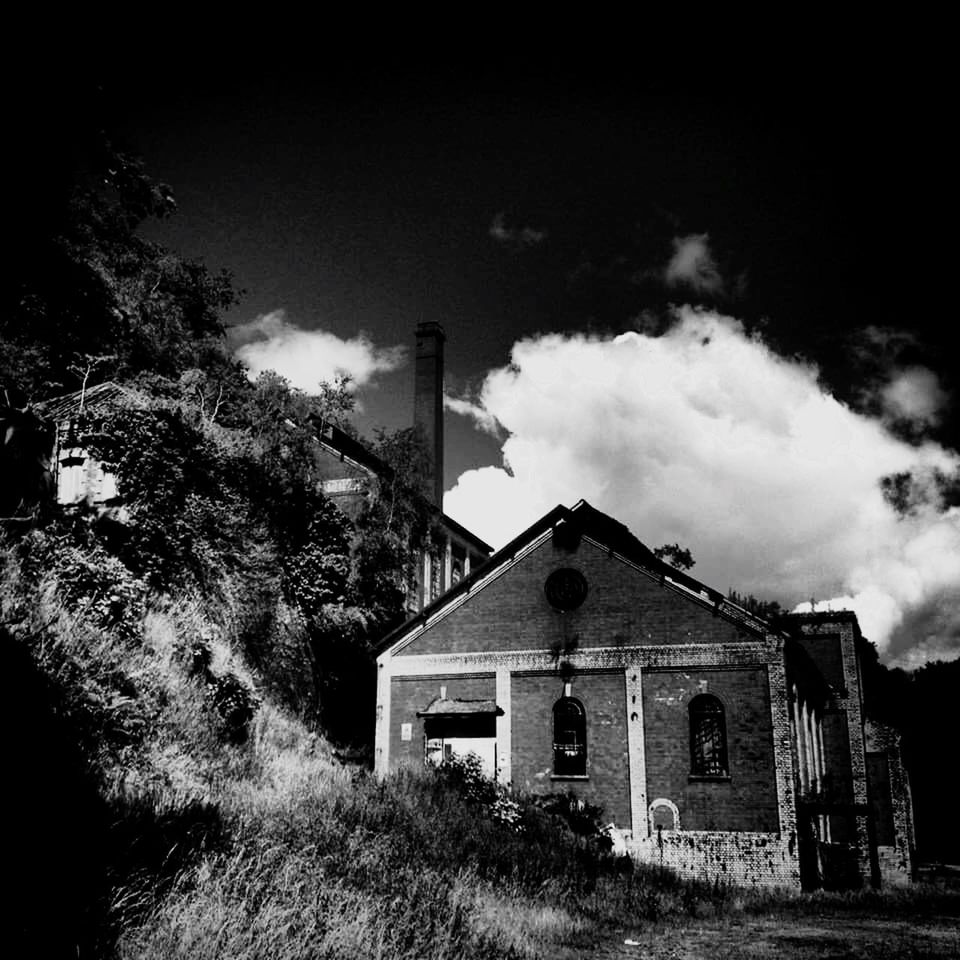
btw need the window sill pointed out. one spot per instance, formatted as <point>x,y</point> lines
<point>569,776</point>
<point>720,778</point>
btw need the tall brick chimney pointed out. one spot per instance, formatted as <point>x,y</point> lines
<point>428,404</point>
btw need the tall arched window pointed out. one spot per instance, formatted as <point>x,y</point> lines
<point>708,737</point>
<point>569,738</point>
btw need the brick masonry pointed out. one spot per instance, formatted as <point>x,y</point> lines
<point>747,799</point>
<point>895,858</point>
<point>845,747</point>
<point>638,650</point>
<point>608,771</point>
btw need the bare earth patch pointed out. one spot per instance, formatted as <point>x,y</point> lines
<point>790,938</point>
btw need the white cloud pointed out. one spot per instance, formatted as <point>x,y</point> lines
<point>693,266</point>
<point>473,411</point>
<point>705,437</point>
<point>914,394</point>
<point>519,238</point>
<point>307,357</point>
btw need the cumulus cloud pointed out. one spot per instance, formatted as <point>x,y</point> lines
<point>706,437</point>
<point>914,395</point>
<point>693,265</point>
<point>517,238</point>
<point>307,357</point>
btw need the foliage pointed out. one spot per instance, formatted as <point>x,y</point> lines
<point>767,609</point>
<point>95,298</point>
<point>677,556</point>
<point>465,775</point>
<point>394,527</point>
<point>406,868</point>
<point>183,496</point>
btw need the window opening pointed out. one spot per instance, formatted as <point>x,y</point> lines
<point>569,738</point>
<point>708,738</point>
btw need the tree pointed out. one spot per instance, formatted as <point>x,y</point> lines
<point>95,301</point>
<point>767,609</point>
<point>677,556</point>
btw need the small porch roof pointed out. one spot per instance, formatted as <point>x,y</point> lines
<point>442,707</point>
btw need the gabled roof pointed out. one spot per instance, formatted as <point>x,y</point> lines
<point>340,444</point>
<point>572,523</point>
<point>94,401</point>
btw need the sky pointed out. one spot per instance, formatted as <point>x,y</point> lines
<point>723,318</point>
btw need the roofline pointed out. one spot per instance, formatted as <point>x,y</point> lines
<point>462,531</point>
<point>824,615</point>
<point>467,583</point>
<point>643,558</point>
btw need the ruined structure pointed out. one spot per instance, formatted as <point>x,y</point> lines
<point>716,743</point>
<point>351,474</point>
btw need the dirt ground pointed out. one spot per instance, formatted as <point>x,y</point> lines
<point>793,938</point>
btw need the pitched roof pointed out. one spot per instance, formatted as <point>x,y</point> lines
<point>342,445</point>
<point>569,524</point>
<point>96,400</point>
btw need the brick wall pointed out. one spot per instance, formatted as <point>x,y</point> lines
<point>638,649</point>
<point>895,857</point>
<point>747,800</point>
<point>751,859</point>
<point>848,704</point>
<point>608,774</point>
<point>623,607</point>
<point>409,695</point>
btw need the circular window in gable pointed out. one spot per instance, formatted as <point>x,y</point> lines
<point>566,589</point>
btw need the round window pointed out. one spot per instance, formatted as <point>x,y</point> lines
<point>566,589</point>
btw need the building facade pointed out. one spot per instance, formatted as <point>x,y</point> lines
<point>576,660</point>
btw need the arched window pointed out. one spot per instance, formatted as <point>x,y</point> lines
<point>569,738</point>
<point>708,737</point>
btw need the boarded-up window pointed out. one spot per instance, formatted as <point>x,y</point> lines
<point>708,737</point>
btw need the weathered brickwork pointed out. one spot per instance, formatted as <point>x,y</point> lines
<point>409,695</point>
<point>849,700</point>
<point>746,800</point>
<point>792,805</point>
<point>895,852</point>
<point>751,859</point>
<point>607,782</point>
<point>623,608</point>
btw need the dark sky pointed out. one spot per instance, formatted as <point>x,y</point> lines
<point>516,202</point>
<point>362,199</point>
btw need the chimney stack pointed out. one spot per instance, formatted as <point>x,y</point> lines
<point>428,404</point>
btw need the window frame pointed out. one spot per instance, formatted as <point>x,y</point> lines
<point>706,711</point>
<point>572,755</point>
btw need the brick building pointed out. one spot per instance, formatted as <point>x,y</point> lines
<point>352,474</point>
<point>716,744</point>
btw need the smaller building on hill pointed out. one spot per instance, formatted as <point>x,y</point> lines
<point>716,743</point>
<point>350,473</point>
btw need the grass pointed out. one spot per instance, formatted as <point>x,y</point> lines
<point>340,865</point>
